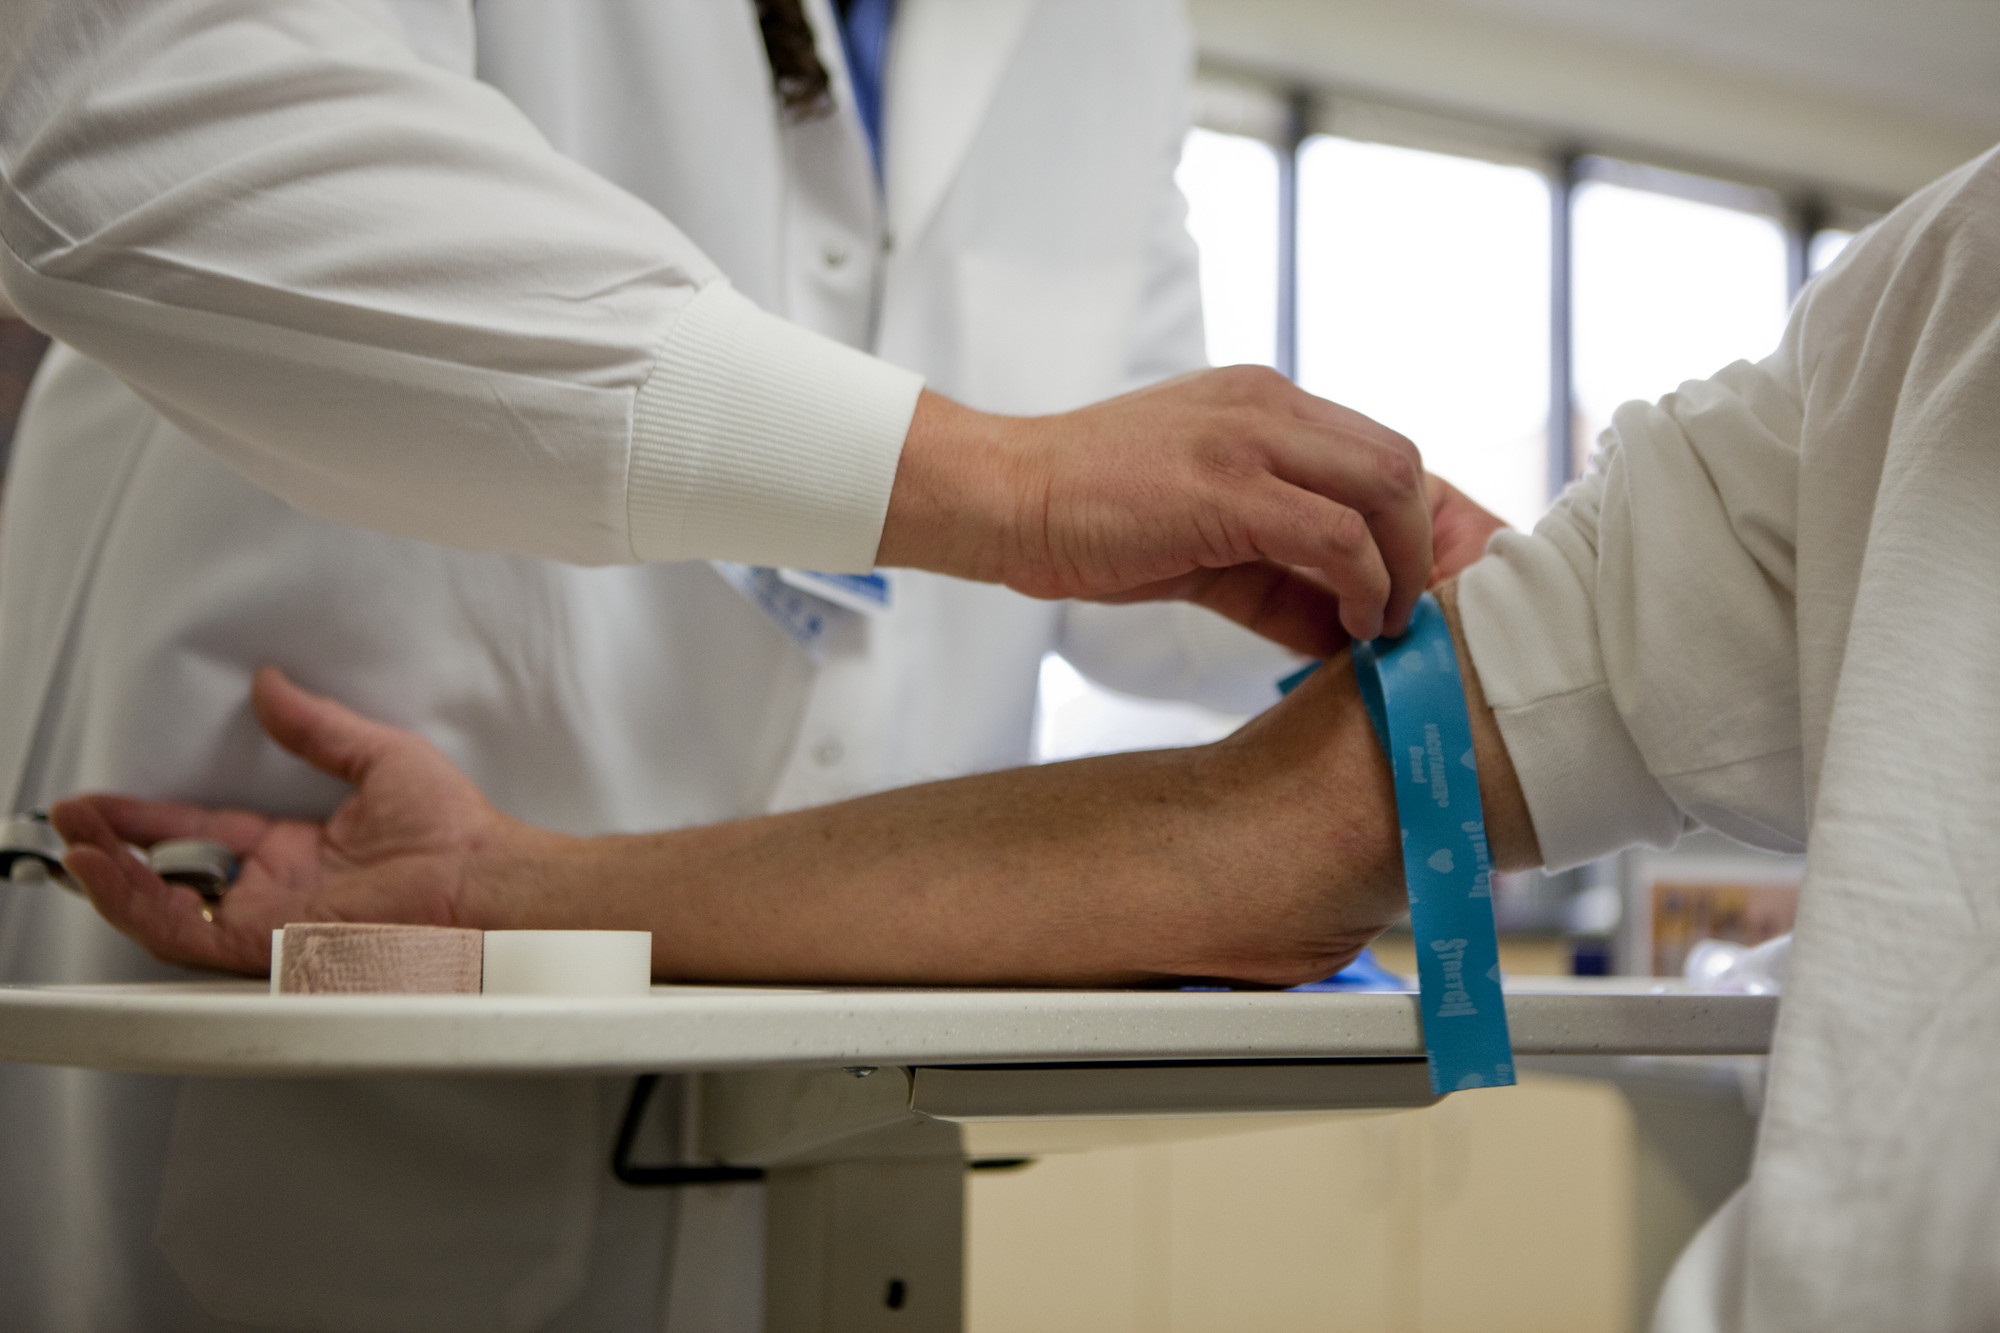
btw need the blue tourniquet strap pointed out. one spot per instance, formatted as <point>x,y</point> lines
<point>1416,701</point>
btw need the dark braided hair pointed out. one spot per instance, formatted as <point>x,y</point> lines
<point>796,72</point>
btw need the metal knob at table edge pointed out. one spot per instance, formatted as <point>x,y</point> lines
<point>31,851</point>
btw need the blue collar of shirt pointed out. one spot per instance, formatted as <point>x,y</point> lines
<point>864,39</point>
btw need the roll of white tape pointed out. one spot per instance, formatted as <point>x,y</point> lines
<point>568,962</point>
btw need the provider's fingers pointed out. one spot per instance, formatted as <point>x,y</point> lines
<point>1380,476</point>
<point>331,737</point>
<point>1283,605</point>
<point>1294,526</point>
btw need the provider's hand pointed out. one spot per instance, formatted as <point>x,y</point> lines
<point>1290,605</point>
<point>400,849</point>
<point>1217,487</point>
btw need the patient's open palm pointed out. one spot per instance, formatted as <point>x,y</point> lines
<point>395,850</point>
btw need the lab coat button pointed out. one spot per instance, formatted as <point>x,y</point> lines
<point>828,753</point>
<point>834,255</point>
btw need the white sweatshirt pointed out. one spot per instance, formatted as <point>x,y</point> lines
<point>1770,609</point>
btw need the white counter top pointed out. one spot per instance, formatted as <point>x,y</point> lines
<point>238,1028</point>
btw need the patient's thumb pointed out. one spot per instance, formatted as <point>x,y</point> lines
<point>325,733</point>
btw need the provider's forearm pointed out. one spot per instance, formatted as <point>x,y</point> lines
<point>1269,857</point>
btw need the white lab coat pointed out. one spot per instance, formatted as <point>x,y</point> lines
<point>1769,609</point>
<point>434,327</point>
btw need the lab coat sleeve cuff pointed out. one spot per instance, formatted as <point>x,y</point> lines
<point>1531,632</point>
<point>756,440</point>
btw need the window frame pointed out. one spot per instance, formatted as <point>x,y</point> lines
<point>1286,114</point>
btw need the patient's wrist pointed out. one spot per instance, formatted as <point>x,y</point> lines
<point>1309,814</point>
<point>516,876</point>
<point>1306,804</point>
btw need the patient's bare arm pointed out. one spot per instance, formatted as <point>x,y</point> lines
<point>1270,857</point>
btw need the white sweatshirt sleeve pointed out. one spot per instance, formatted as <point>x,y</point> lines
<point>1639,648</point>
<point>368,283</point>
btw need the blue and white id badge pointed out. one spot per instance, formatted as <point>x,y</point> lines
<point>866,593</point>
<point>808,606</point>
<point>1416,702</point>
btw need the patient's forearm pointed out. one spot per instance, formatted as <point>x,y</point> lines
<point>1262,858</point>
<point>1270,857</point>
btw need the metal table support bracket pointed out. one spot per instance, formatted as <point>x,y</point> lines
<point>864,1200</point>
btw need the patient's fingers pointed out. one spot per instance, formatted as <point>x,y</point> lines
<point>166,918</point>
<point>147,913</point>
<point>82,824</point>
<point>326,734</point>
<point>144,823</point>
<point>1460,528</point>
